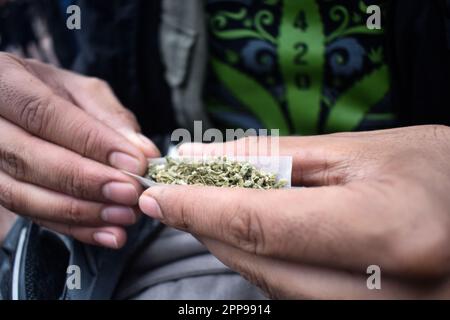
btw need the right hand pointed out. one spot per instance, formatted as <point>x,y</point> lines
<point>63,138</point>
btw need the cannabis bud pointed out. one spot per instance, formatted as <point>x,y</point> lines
<point>218,172</point>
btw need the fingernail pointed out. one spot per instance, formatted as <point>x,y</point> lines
<point>118,215</point>
<point>124,161</point>
<point>150,207</point>
<point>106,239</point>
<point>121,192</point>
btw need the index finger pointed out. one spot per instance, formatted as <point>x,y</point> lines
<point>96,97</point>
<point>29,103</point>
<point>317,160</point>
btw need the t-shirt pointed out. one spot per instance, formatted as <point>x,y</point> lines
<point>301,66</point>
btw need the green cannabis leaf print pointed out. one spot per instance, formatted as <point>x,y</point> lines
<point>301,66</point>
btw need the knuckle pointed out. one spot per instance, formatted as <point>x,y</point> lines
<point>12,162</point>
<point>35,113</point>
<point>427,257</point>
<point>440,131</point>
<point>4,55</point>
<point>336,174</point>
<point>7,59</point>
<point>127,116</point>
<point>179,214</point>
<point>245,230</point>
<point>441,134</point>
<point>327,176</point>
<point>95,84</point>
<point>181,220</point>
<point>91,141</point>
<point>72,180</point>
<point>73,212</point>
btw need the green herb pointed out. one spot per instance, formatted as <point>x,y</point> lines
<point>218,172</point>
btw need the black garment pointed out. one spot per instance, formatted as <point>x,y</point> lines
<point>419,43</point>
<point>119,43</point>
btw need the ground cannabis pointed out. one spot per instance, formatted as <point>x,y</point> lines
<point>219,172</point>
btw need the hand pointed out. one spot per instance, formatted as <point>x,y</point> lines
<point>63,138</point>
<point>374,198</point>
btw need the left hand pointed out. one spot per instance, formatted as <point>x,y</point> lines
<point>374,198</point>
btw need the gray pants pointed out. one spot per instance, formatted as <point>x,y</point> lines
<point>156,263</point>
<point>177,266</point>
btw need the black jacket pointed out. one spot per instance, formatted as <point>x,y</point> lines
<point>419,58</point>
